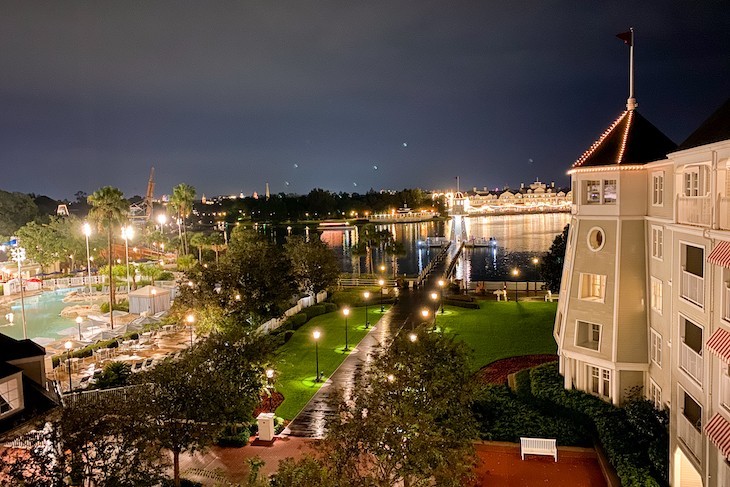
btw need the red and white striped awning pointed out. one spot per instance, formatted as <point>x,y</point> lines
<point>720,255</point>
<point>719,344</point>
<point>718,431</point>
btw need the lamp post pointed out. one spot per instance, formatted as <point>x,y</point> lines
<point>191,320</point>
<point>269,377</point>
<point>127,233</point>
<point>535,261</point>
<point>87,233</point>
<point>161,220</point>
<point>441,289</point>
<point>366,295</point>
<point>18,255</point>
<point>381,282</point>
<point>435,297</point>
<point>67,346</point>
<point>425,312</point>
<point>153,293</point>
<point>346,312</point>
<point>79,320</point>
<point>515,273</point>
<point>316,334</point>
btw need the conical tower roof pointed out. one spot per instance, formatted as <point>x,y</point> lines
<point>714,129</point>
<point>630,140</point>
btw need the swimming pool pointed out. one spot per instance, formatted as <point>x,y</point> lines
<point>42,314</point>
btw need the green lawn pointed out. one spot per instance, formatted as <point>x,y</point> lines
<point>502,329</point>
<point>296,358</point>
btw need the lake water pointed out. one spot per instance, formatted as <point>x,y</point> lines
<point>519,238</point>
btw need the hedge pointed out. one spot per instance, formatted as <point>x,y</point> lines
<point>296,321</point>
<point>461,304</point>
<point>627,447</point>
<point>316,310</point>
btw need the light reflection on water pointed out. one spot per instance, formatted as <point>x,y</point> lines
<point>519,238</point>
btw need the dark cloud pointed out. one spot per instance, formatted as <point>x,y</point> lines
<point>228,95</point>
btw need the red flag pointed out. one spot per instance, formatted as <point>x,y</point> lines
<point>627,37</point>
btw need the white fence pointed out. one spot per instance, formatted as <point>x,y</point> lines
<point>357,281</point>
<point>305,302</point>
<point>67,282</point>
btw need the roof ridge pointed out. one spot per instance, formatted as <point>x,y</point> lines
<point>602,138</point>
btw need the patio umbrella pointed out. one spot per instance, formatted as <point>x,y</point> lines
<point>103,335</point>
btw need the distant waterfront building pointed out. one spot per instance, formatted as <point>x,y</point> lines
<point>645,294</point>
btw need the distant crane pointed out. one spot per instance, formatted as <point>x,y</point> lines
<point>140,213</point>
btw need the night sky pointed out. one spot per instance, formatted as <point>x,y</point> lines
<point>228,95</point>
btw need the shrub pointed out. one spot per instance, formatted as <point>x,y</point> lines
<point>278,425</point>
<point>165,276</point>
<point>287,335</point>
<point>183,483</point>
<point>114,374</point>
<point>460,297</point>
<point>461,304</point>
<point>316,310</point>
<point>297,320</point>
<point>234,440</point>
<point>523,385</point>
<point>122,305</point>
<point>329,307</point>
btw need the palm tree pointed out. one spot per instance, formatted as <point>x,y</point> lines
<point>181,201</point>
<point>108,208</point>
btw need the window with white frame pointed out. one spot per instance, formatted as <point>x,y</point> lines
<point>592,287</point>
<point>609,191</point>
<point>656,348</point>
<point>725,386</point>
<point>593,192</point>
<point>695,181</point>
<point>600,381</point>
<point>588,335</point>
<point>10,398</point>
<point>657,242</point>
<point>657,193</point>
<point>656,294</point>
<point>655,394</point>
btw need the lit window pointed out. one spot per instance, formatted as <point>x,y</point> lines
<point>655,394</point>
<point>600,381</point>
<point>593,192</point>
<point>657,242</point>
<point>593,287</point>
<point>657,198</point>
<point>656,295</point>
<point>656,348</point>
<point>609,191</point>
<point>588,335</point>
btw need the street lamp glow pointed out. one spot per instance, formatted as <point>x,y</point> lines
<point>382,268</point>
<point>79,320</point>
<point>86,228</point>
<point>434,296</point>
<point>535,260</point>
<point>441,283</point>
<point>269,373</point>
<point>515,272</point>
<point>366,294</point>
<point>316,334</point>
<point>238,297</point>
<point>346,311</point>
<point>190,318</point>
<point>381,282</point>
<point>412,337</point>
<point>161,218</point>
<point>391,378</point>
<point>424,313</point>
<point>68,345</point>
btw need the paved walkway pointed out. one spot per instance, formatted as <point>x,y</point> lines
<point>311,421</point>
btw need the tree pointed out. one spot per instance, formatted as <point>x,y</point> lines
<point>114,374</point>
<point>48,243</point>
<point>370,239</point>
<point>313,264</point>
<point>183,196</point>
<point>108,209</point>
<point>407,419</point>
<point>16,209</point>
<point>216,383</point>
<point>551,267</point>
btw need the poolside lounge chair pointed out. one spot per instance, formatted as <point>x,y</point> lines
<point>137,366</point>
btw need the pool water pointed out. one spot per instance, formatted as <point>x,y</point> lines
<point>42,314</point>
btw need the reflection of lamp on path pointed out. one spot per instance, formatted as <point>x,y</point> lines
<point>316,334</point>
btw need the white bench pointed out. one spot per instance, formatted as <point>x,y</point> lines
<point>538,446</point>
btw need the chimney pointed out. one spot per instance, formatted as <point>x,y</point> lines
<point>522,185</point>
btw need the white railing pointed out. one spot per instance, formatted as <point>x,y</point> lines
<point>691,362</point>
<point>693,288</point>
<point>357,281</point>
<point>724,204</point>
<point>690,436</point>
<point>694,210</point>
<point>73,282</point>
<point>726,307</point>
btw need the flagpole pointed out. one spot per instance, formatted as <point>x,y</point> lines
<point>631,102</point>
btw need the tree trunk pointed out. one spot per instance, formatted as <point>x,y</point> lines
<point>179,233</point>
<point>176,467</point>
<point>111,280</point>
<point>200,254</point>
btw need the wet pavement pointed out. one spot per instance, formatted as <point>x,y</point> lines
<point>405,314</point>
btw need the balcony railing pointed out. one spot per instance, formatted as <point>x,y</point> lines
<point>693,288</point>
<point>724,203</point>
<point>694,210</point>
<point>691,362</point>
<point>726,300</point>
<point>690,436</point>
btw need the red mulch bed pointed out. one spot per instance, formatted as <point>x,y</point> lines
<point>497,371</point>
<point>276,399</point>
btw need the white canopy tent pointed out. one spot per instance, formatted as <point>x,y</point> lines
<point>149,300</point>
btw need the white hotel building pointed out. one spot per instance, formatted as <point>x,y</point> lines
<point>645,294</point>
